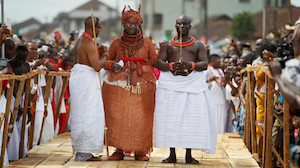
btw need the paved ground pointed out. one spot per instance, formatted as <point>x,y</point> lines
<point>231,152</point>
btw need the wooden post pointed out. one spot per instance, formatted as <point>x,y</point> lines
<point>0,91</point>
<point>250,86</point>
<point>46,98</point>
<point>27,92</point>
<point>31,130</point>
<point>68,115</point>
<point>270,87</point>
<point>6,116</point>
<point>1,120</point>
<point>17,100</point>
<point>60,99</point>
<point>247,127</point>
<point>286,134</point>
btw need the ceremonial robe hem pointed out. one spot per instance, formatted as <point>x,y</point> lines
<point>87,114</point>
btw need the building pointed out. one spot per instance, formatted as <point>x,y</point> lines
<point>27,26</point>
<point>159,16</point>
<point>74,20</point>
<point>100,10</point>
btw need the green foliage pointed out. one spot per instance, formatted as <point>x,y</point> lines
<point>242,26</point>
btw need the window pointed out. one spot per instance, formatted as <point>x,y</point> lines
<point>157,20</point>
<point>245,1</point>
<point>284,3</point>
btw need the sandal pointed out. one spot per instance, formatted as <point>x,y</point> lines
<point>141,156</point>
<point>93,158</point>
<point>170,160</point>
<point>191,160</point>
<point>117,156</point>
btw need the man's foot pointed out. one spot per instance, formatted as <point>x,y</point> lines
<point>170,159</point>
<point>141,156</point>
<point>116,156</point>
<point>191,160</point>
<point>94,159</point>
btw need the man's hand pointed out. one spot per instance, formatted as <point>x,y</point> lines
<point>38,63</point>
<point>296,122</point>
<point>164,43</point>
<point>275,68</point>
<point>187,65</point>
<point>102,50</point>
<point>116,67</point>
<point>227,78</point>
<point>4,31</point>
<point>213,78</point>
<point>267,56</point>
<point>180,69</point>
<point>232,42</point>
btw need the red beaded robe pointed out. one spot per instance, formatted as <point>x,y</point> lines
<point>129,104</point>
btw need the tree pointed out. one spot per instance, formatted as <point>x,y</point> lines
<point>242,26</point>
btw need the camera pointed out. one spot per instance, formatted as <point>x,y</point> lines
<point>231,69</point>
<point>73,35</point>
<point>41,55</point>
<point>3,63</point>
<point>246,45</point>
<point>285,49</point>
<point>295,156</point>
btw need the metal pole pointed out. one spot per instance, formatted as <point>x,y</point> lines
<point>290,13</point>
<point>205,21</point>
<point>264,20</point>
<point>2,12</point>
<point>183,7</point>
<point>152,17</point>
<point>2,24</point>
<point>275,16</point>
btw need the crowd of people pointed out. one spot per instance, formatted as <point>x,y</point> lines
<point>179,97</point>
<point>23,57</point>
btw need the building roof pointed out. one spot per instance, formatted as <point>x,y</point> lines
<point>218,27</point>
<point>282,19</point>
<point>95,4</point>
<point>26,23</point>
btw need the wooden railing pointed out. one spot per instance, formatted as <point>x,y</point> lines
<point>251,124</point>
<point>24,86</point>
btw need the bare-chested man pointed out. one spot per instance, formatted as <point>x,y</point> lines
<point>184,116</point>
<point>87,114</point>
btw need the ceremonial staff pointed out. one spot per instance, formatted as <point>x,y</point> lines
<point>95,41</point>
<point>180,42</point>
<point>180,47</point>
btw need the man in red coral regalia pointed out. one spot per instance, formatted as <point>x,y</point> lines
<point>129,90</point>
<point>184,116</point>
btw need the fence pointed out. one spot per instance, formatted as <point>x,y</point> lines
<point>251,124</point>
<point>23,84</point>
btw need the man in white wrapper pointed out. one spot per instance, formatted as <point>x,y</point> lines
<point>87,114</point>
<point>215,81</point>
<point>184,115</point>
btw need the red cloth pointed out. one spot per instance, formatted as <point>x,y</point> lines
<point>53,63</point>
<point>156,72</point>
<point>63,117</point>
<point>4,84</point>
<point>60,64</point>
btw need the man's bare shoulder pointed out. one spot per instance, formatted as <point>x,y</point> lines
<point>116,42</point>
<point>165,43</point>
<point>84,41</point>
<point>199,44</point>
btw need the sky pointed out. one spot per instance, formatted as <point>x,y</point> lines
<point>45,10</point>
